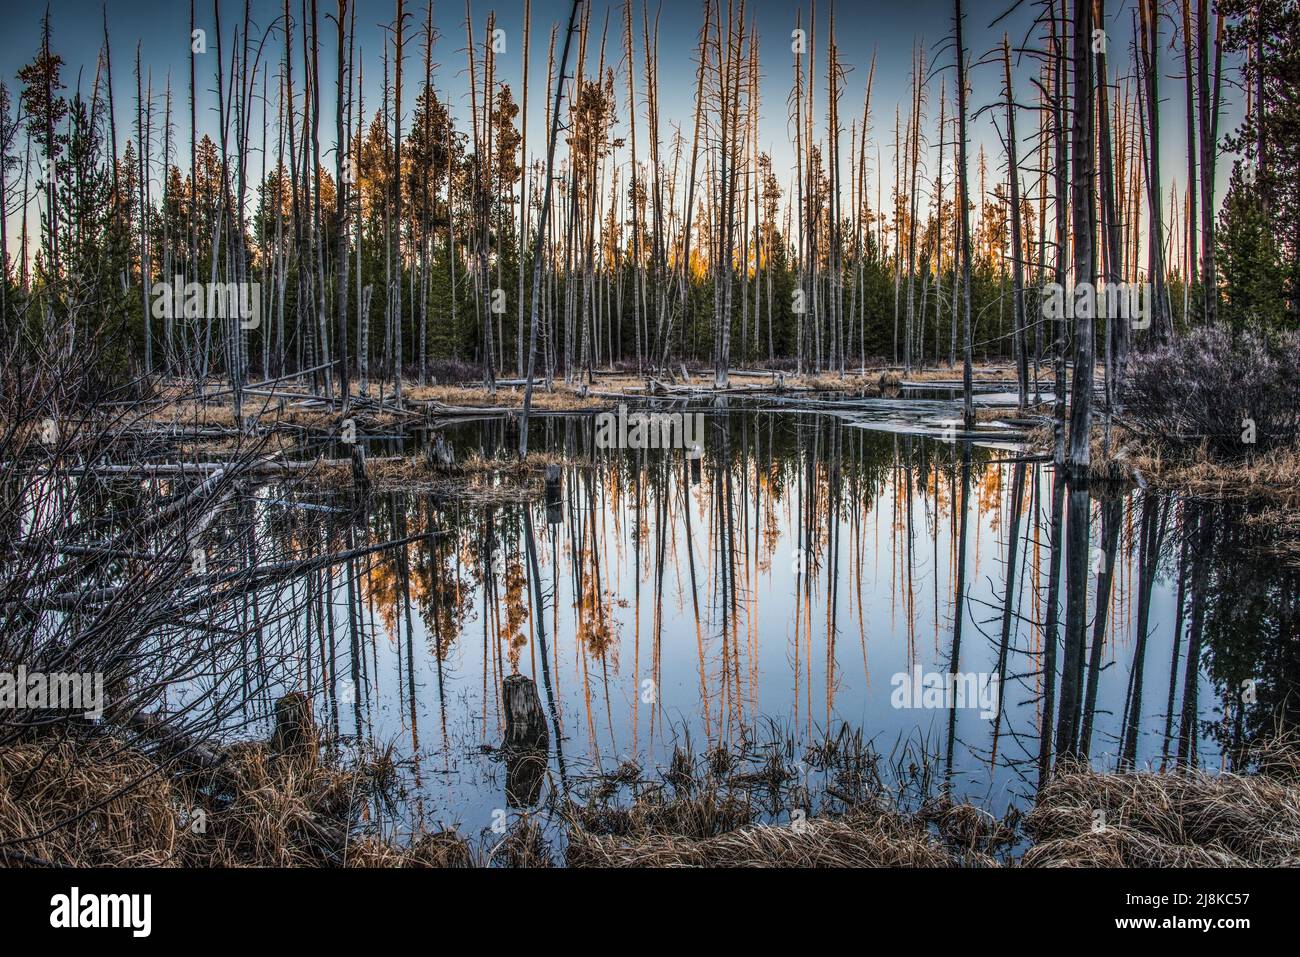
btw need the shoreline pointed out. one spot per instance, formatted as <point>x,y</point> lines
<point>285,803</point>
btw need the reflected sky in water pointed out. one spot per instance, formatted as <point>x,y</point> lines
<point>772,590</point>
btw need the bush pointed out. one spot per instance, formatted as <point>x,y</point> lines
<point>1204,387</point>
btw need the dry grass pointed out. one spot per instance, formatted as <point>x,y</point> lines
<point>985,414</point>
<point>284,811</point>
<point>297,411</point>
<point>1168,820</point>
<point>276,443</point>
<point>871,381</point>
<point>851,383</point>
<point>1172,819</point>
<point>524,846</point>
<point>980,372</point>
<point>99,804</point>
<point>718,810</point>
<point>562,398</point>
<point>60,797</point>
<point>1269,480</point>
<point>440,849</point>
<point>862,838</point>
<point>1272,476</point>
<point>475,478</point>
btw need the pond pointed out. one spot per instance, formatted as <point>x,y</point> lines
<point>811,574</point>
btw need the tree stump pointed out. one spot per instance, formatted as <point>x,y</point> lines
<point>295,732</point>
<point>360,479</point>
<point>552,479</point>
<point>527,742</point>
<point>438,453</point>
<point>554,512</point>
<point>525,720</point>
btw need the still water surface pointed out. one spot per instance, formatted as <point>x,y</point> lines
<point>781,588</point>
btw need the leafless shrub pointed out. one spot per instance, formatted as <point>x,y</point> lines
<point>1204,387</point>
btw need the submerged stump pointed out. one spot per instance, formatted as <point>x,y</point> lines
<point>553,488</point>
<point>527,742</point>
<point>360,479</point>
<point>439,454</point>
<point>525,720</point>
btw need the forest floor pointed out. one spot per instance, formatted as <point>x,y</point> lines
<point>291,404</point>
<point>277,804</point>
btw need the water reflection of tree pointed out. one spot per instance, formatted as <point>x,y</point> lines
<point>1250,608</point>
<point>707,544</point>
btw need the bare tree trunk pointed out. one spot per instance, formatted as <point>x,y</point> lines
<point>1149,65</point>
<point>541,229</point>
<point>524,166</point>
<point>1208,103</point>
<point>1189,78</point>
<point>968,399</point>
<point>1017,242</point>
<point>341,182</point>
<point>399,28</point>
<point>1082,190</point>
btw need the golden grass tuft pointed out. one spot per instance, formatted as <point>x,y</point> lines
<point>1191,819</point>
<point>285,811</point>
<point>95,803</point>
<point>440,849</point>
<point>691,818</point>
<point>865,837</point>
<point>62,797</point>
<point>476,478</point>
<point>524,846</point>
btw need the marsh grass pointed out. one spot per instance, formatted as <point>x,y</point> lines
<point>772,803</point>
<point>97,803</point>
<point>1268,480</point>
<point>561,398</point>
<point>1189,819</point>
<point>1272,475</point>
<point>476,478</point>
